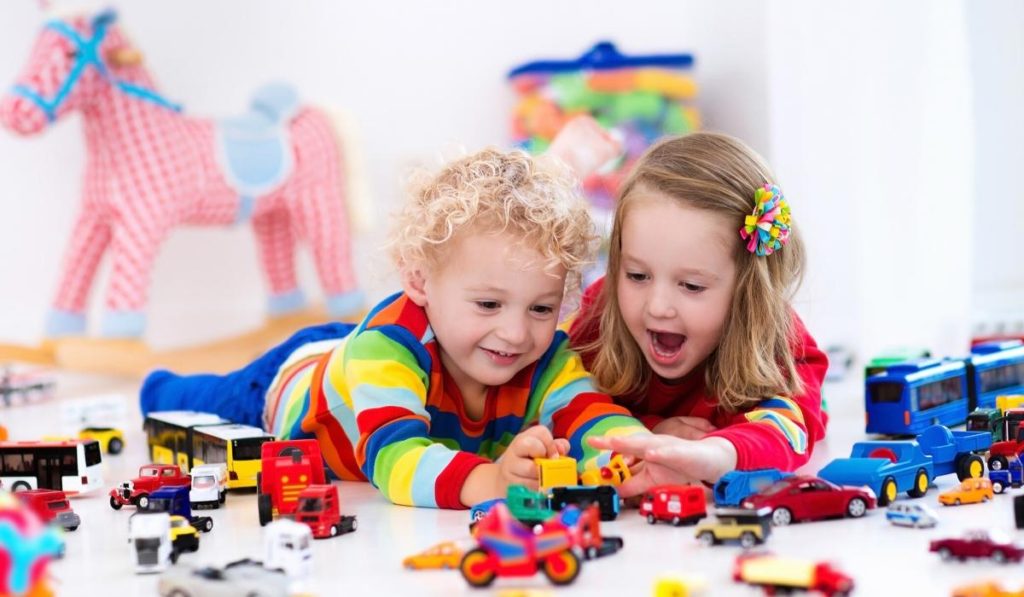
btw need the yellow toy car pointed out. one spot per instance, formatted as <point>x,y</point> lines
<point>971,491</point>
<point>184,536</point>
<point>675,585</point>
<point>745,526</point>
<point>110,439</point>
<point>447,555</point>
<point>614,473</point>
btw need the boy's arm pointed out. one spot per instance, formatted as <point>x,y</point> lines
<point>572,408</point>
<point>388,387</point>
<point>781,432</point>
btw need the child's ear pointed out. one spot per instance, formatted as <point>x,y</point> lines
<point>414,284</point>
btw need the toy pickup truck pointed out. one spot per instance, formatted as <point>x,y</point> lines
<point>151,477</point>
<point>782,574</point>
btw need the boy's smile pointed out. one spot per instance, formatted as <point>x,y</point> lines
<point>492,306</point>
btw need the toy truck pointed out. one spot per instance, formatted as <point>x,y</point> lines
<point>151,477</point>
<point>50,505</point>
<point>288,467</point>
<point>209,485</point>
<point>1010,476</point>
<point>174,500</point>
<point>1001,452</point>
<point>606,497</point>
<point>150,536</point>
<point>955,451</point>
<point>783,575</point>
<point>677,504</point>
<point>318,509</point>
<point>288,546</point>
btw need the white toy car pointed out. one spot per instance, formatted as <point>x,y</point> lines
<point>209,485</point>
<point>911,514</point>
<point>244,577</point>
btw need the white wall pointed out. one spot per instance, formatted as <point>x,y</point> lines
<point>419,77</point>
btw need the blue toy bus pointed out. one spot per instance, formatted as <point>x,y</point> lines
<point>910,396</point>
<point>994,369</point>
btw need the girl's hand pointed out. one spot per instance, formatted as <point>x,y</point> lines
<point>669,460</point>
<point>516,465</point>
<point>685,427</point>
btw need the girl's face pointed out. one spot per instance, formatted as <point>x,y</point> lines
<point>676,280</point>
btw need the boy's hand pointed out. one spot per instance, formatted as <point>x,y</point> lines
<point>516,465</point>
<point>670,460</point>
<point>685,427</point>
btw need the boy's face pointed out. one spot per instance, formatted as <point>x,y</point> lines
<point>492,307</point>
<point>676,281</point>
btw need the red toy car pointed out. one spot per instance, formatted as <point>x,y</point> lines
<point>288,467</point>
<point>509,548</point>
<point>802,497</point>
<point>678,504</point>
<point>318,509</point>
<point>50,505</point>
<point>977,544</point>
<point>151,477</point>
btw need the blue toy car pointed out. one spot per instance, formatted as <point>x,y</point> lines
<point>480,510</point>
<point>1011,476</point>
<point>736,486</point>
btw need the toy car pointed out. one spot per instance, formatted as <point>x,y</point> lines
<point>977,544</point>
<point>605,496</point>
<point>803,497</point>
<point>209,485</point>
<point>110,439</point>
<point>243,577</point>
<point>1011,475</point>
<point>446,554</point>
<point>50,505</point>
<point>184,536</point>
<point>678,504</point>
<point>151,478</point>
<point>506,547</point>
<point>985,589</point>
<point>614,473</point>
<point>733,487</point>
<point>908,514</point>
<point>747,527</point>
<point>971,491</point>
<point>480,510</point>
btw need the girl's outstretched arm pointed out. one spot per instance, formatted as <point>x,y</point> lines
<point>669,460</point>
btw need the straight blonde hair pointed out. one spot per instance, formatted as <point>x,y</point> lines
<point>754,359</point>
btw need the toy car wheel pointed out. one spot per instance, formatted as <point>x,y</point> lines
<point>920,484</point>
<point>970,466</point>
<point>707,538</point>
<point>116,505</point>
<point>956,502</point>
<point>208,525</point>
<point>142,502</point>
<point>747,540</point>
<point>945,553</point>
<point>997,463</point>
<point>999,556</point>
<point>266,508</point>
<point>562,568</point>
<point>223,497</point>
<point>856,508</point>
<point>476,568</point>
<point>354,520</point>
<point>334,530</point>
<point>71,529</point>
<point>20,486</point>
<point>651,519</point>
<point>781,517</point>
<point>888,493</point>
<point>114,446</point>
<point>174,556</point>
<point>676,521</point>
<point>998,487</point>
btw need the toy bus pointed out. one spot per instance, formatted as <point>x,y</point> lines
<point>72,466</point>
<point>909,396</point>
<point>170,435</point>
<point>237,446</point>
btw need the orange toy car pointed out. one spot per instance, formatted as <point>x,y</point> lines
<point>446,554</point>
<point>971,491</point>
<point>985,589</point>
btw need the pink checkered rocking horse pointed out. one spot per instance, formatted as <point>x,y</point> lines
<point>150,168</point>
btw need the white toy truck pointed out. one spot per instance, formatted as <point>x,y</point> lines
<point>288,545</point>
<point>150,536</point>
<point>209,485</point>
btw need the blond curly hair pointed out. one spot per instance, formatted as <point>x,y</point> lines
<point>494,191</point>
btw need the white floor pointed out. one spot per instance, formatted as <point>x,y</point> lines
<point>884,560</point>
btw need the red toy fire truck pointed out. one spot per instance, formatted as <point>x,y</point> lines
<point>288,467</point>
<point>151,477</point>
<point>318,508</point>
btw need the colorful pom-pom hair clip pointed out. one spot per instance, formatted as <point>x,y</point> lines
<point>766,230</point>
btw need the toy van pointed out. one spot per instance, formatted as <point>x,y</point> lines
<point>678,504</point>
<point>209,485</point>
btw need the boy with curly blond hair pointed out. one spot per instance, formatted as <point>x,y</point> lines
<point>446,392</point>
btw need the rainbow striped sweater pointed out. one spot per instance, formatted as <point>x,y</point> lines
<point>384,409</point>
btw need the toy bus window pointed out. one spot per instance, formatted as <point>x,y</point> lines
<point>1000,378</point>
<point>885,392</point>
<point>937,393</point>
<point>69,464</point>
<point>247,449</point>
<point>92,453</point>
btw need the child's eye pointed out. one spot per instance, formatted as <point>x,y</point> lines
<point>542,309</point>
<point>695,288</point>
<point>635,277</point>
<point>488,305</point>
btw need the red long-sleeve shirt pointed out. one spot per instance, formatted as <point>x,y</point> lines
<point>779,432</point>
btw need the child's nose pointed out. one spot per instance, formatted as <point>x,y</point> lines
<point>513,331</point>
<point>660,303</point>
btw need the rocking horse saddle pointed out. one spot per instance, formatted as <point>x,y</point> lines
<point>254,150</point>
